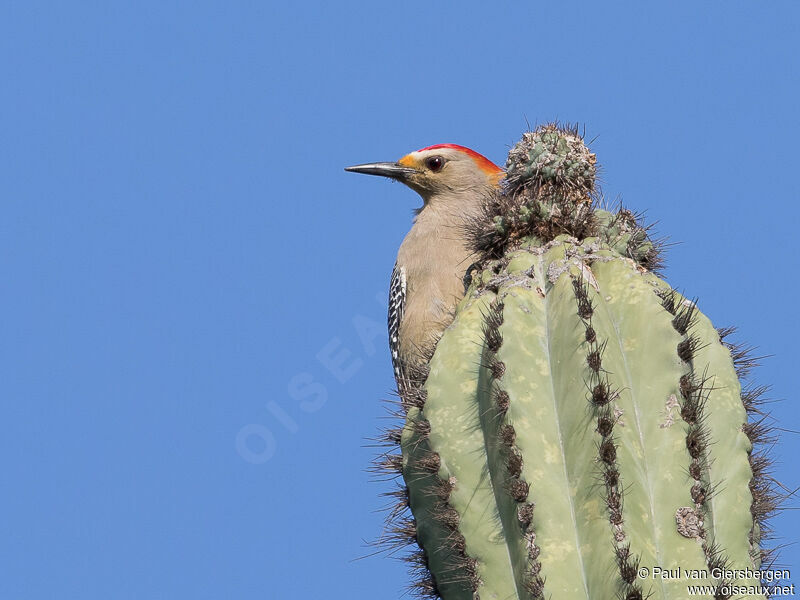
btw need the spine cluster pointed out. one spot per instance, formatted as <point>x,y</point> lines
<point>500,432</point>
<point>694,390</point>
<point>767,497</point>
<point>424,487</point>
<point>600,396</point>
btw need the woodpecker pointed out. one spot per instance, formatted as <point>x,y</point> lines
<point>428,276</point>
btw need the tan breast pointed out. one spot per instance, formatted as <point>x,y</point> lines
<point>435,257</point>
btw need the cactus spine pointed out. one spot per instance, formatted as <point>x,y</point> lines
<point>579,419</point>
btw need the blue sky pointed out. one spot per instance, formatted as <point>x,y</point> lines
<point>192,346</point>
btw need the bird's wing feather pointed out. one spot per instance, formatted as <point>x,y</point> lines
<point>397,301</point>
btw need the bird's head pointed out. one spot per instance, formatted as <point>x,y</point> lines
<point>445,170</point>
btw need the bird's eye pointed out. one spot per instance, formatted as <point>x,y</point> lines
<point>434,163</point>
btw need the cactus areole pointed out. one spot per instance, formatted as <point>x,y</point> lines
<point>580,423</point>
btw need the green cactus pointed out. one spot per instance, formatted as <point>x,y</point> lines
<point>580,419</point>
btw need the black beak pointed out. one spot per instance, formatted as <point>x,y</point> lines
<point>384,169</point>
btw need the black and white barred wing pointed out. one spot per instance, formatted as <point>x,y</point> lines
<point>397,302</point>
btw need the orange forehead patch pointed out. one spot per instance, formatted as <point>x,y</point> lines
<point>407,161</point>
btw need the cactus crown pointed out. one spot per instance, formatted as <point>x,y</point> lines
<point>550,189</point>
<point>554,157</point>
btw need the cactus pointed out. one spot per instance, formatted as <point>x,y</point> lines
<point>579,419</point>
